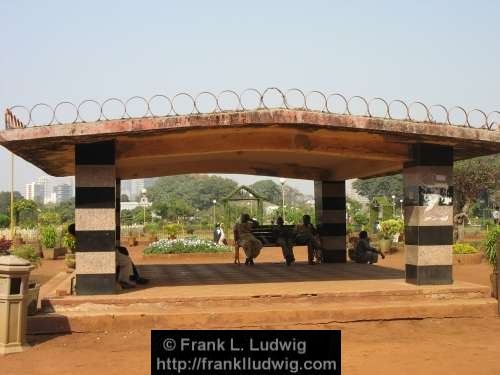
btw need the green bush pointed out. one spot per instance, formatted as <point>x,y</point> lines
<point>152,228</point>
<point>391,227</point>
<point>184,246</point>
<point>464,248</point>
<point>48,236</point>
<point>173,230</point>
<point>361,218</point>
<point>27,252</point>
<point>490,246</point>
<point>69,242</point>
<point>4,221</point>
<point>49,218</point>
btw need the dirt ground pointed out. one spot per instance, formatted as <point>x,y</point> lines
<point>430,346</point>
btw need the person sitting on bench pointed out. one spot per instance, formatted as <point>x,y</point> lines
<point>306,234</point>
<point>243,237</point>
<point>364,252</point>
<point>127,273</point>
<point>284,238</point>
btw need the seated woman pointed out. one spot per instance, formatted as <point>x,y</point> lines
<point>364,252</point>
<point>243,237</point>
<point>307,234</point>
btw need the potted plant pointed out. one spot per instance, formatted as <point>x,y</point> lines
<point>48,237</point>
<point>360,220</point>
<point>70,243</point>
<point>388,229</point>
<point>29,253</point>
<point>492,247</point>
<point>172,230</point>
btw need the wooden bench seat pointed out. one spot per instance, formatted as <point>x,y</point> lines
<point>264,233</point>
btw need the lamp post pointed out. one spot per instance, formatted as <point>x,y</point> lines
<point>283,182</point>
<point>144,203</point>
<point>11,196</point>
<point>401,208</point>
<point>214,202</point>
<point>393,205</point>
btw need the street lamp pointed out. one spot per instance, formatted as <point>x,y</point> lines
<point>401,208</point>
<point>144,203</point>
<point>214,202</point>
<point>12,196</point>
<point>393,205</point>
<point>283,182</point>
<point>251,204</point>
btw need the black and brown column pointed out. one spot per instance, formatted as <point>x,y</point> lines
<point>330,203</point>
<point>428,191</point>
<point>95,217</point>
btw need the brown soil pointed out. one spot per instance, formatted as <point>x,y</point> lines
<point>430,346</point>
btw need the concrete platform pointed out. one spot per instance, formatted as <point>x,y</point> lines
<point>202,296</point>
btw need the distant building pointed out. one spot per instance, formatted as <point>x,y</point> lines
<point>35,191</point>
<point>132,205</point>
<point>63,193</point>
<point>47,188</point>
<point>136,187</point>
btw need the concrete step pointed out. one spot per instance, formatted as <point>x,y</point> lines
<point>91,317</point>
<point>463,291</point>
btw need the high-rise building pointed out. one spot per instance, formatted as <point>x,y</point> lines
<point>46,186</point>
<point>63,193</point>
<point>35,192</point>
<point>136,187</point>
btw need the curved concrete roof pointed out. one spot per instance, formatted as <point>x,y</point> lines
<point>274,142</point>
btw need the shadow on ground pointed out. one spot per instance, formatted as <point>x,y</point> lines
<point>219,274</point>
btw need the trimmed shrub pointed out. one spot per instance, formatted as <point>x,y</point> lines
<point>27,252</point>
<point>464,248</point>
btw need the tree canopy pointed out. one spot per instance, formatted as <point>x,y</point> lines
<point>198,190</point>
<point>380,186</point>
<point>473,177</point>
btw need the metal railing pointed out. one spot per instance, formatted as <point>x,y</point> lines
<point>250,99</point>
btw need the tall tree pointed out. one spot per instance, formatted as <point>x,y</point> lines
<point>471,178</point>
<point>380,186</point>
<point>197,190</point>
<point>269,190</point>
<point>5,201</point>
<point>25,206</point>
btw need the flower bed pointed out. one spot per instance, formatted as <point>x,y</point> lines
<point>464,253</point>
<point>180,246</point>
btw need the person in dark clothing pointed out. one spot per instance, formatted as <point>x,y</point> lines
<point>284,238</point>
<point>217,233</point>
<point>135,273</point>
<point>364,252</point>
<point>307,234</point>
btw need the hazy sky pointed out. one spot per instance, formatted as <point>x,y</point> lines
<point>436,51</point>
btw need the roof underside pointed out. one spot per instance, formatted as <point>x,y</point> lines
<point>288,143</point>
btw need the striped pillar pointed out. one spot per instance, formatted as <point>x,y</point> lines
<point>118,197</point>
<point>330,202</point>
<point>95,217</point>
<point>428,192</point>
